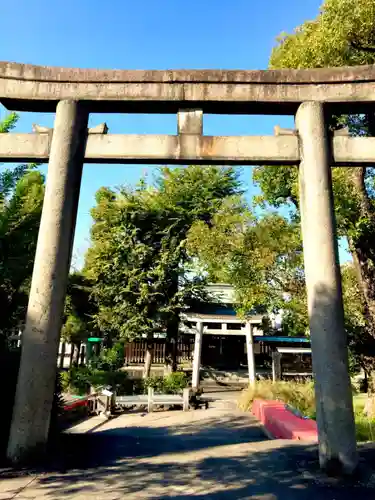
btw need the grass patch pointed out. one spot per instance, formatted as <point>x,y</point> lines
<point>365,426</point>
<point>359,401</point>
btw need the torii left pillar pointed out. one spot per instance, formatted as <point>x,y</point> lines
<point>40,340</point>
<point>250,353</point>
<point>197,356</point>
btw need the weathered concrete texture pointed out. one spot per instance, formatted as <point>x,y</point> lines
<point>337,443</point>
<point>353,150</point>
<point>31,414</point>
<point>60,74</point>
<point>159,148</point>
<point>190,121</point>
<point>241,150</point>
<point>27,87</point>
<point>24,147</point>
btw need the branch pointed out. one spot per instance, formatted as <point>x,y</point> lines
<point>364,48</point>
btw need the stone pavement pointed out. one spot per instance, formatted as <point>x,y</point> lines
<point>218,454</point>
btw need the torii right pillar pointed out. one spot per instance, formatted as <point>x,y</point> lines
<point>334,402</point>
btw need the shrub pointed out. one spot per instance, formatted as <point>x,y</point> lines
<point>65,377</point>
<point>117,380</point>
<point>173,383</point>
<point>298,395</point>
<point>157,383</point>
<point>109,359</point>
<point>78,380</point>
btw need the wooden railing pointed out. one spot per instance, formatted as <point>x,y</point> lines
<point>152,399</point>
<point>135,352</point>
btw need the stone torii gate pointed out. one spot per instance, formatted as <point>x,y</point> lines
<point>310,95</point>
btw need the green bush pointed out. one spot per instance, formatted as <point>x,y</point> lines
<point>109,359</point>
<point>78,380</point>
<point>173,383</point>
<point>117,380</point>
<point>157,383</point>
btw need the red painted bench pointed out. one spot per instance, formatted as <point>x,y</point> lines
<point>281,423</point>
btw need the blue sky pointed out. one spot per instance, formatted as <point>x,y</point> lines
<point>147,34</point>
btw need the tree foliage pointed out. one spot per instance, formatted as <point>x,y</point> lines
<point>342,34</point>
<point>338,36</point>
<point>260,256</point>
<point>80,309</point>
<point>361,343</point>
<point>138,259</point>
<point>21,201</point>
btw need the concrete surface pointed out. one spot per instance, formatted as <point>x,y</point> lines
<point>24,87</point>
<point>217,454</point>
<point>333,392</point>
<point>44,317</point>
<point>241,150</point>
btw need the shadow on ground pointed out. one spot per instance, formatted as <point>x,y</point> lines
<point>213,458</point>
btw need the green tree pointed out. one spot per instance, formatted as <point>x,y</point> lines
<point>80,309</point>
<point>19,225</point>
<point>361,343</point>
<point>21,200</point>
<point>139,261</point>
<point>10,176</point>
<point>342,34</point>
<point>260,256</point>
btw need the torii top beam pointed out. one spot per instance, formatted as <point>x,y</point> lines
<point>26,87</point>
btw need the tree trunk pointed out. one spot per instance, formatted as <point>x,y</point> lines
<point>172,329</point>
<point>362,246</point>
<point>71,355</point>
<point>171,344</point>
<point>82,355</point>
<point>62,355</point>
<point>77,349</point>
<point>149,356</point>
<point>366,280</point>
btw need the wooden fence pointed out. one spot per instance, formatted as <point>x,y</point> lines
<point>135,352</point>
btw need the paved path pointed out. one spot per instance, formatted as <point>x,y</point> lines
<point>218,454</point>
